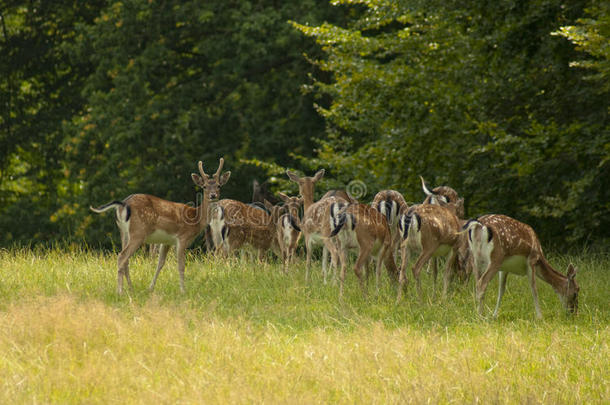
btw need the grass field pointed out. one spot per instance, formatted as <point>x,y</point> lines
<point>246,332</point>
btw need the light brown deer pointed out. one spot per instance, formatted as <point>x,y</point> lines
<point>288,231</point>
<point>445,196</point>
<point>144,218</point>
<point>361,227</point>
<point>234,224</point>
<point>503,245</point>
<point>391,204</point>
<point>315,225</point>
<point>433,231</point>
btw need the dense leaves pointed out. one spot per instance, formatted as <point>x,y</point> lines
<point>477,95</point>
<point>506,102</point>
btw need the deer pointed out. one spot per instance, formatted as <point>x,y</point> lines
<point>433,230</point>
<point>288,231</point>
<point>444,195</point>
<point>234,224</point>
<point>449,198</point>
<point>503,245</point>
<point>315,224</point>
<point>391,204</point>
<point>362,227</point>
<point>144,218</point>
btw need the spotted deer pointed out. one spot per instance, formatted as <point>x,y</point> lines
<point>391,204</point>
<point>361,227</point>
<point>288,231</point>
<point>433,231</point>
<point>234,224</point>
<point>144,218</point>
<point>445,196</point>
<point>315,224</point>
<point>503,245</point>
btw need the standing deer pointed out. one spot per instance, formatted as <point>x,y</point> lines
<point>391,204</point>
<point>315,224</point>
<point>234,224</point>
<point>288,230</point>
<point>503,245</point>
<point>445,196</point>
<point>361,227</point>
<point>144,218</point>
<point>432,230</point>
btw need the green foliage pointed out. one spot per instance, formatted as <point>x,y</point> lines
<point>145,90</point>
<point>474,95</point>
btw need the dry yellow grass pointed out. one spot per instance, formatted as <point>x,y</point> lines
<point>66,350</point>
<point>248,333</point>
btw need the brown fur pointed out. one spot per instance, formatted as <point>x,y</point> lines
<point>370,235</point>
<point>439,226</point>
<point>246,225</point>
<point>154,220</point>
<point>314,222</point>
<point>513,238</point>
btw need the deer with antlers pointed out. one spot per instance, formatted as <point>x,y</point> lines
<point>144,218</point>
<point>432,230</point>
<point>361,227</point>
<point>503,245</point>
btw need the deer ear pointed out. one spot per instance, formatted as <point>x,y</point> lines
<point>571,272</point>
<point>224,178</point>
<point>292,176</point>
<point>283,196</point>
<point>268,205</point>
<point>197,179</point>
<point>319,174</point>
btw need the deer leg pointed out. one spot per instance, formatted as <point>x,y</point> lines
<point>531,275</point>
<point>385,250</point>
<point>123,261</point>
<point>308,247</point>
<point>434,266</point>
<point>324,261</point>
<point>492,268</point>
<point>162,255</point>
<point>402,279</point>
<point>421,260</point>
<point>449,269</point>
<point>502,276</point>
<point>181,254</point>
<point>343,260</point>
<point>361,262</point>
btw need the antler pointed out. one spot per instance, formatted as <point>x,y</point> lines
<point>222,162</point>
<point>423,185</point>
<point>201,170</point>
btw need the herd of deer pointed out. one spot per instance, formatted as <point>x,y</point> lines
<point>385,230</point>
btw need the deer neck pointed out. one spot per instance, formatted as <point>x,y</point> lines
<point>558,281</point>
<point>203,210</point>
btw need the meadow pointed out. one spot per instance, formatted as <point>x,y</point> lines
<point>246,332</point>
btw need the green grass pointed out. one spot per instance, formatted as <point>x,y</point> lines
<point>247,332</point>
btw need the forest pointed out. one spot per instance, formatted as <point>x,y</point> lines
<point>505,101</point>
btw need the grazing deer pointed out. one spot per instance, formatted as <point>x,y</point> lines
<point>234,224</point>
<point>144,218</point>
<point>391,204</point>
<point>315,225</point>
<point>359,226</point>
<point>288,230</point>
<point>445,196</point>
<point>503,245</point>
<point>432,230</point>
